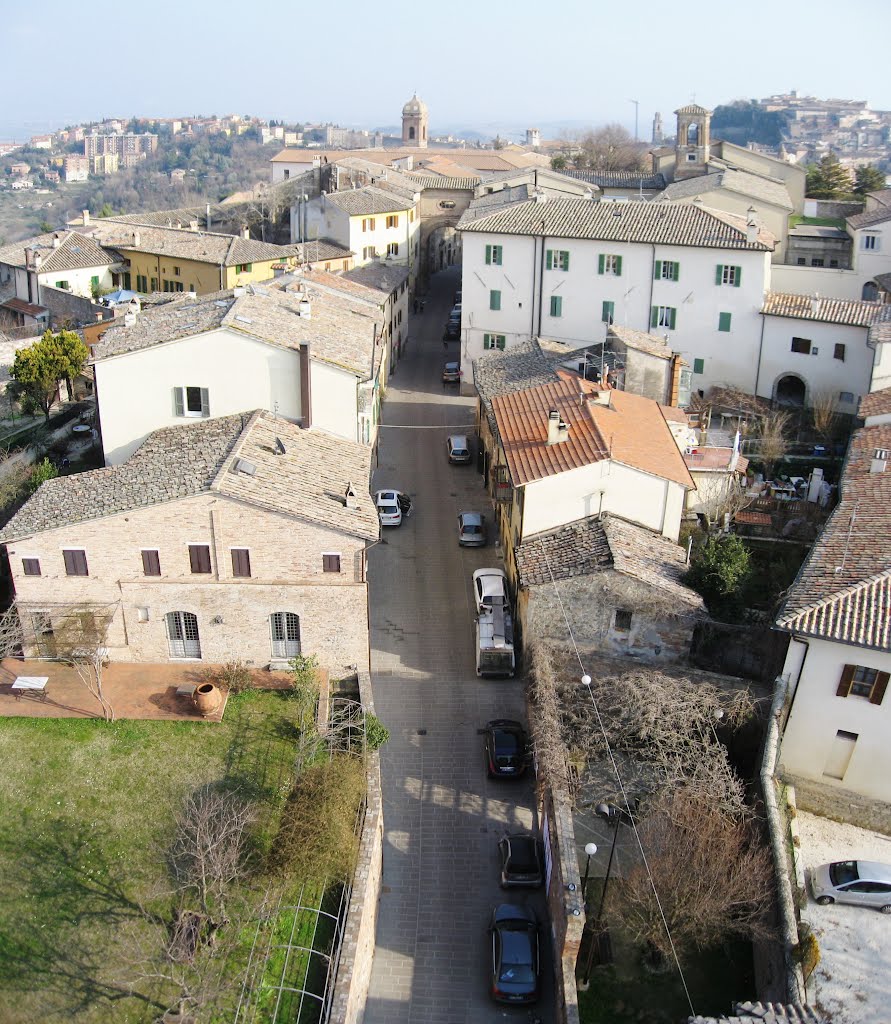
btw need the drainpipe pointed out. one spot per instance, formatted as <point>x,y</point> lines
<point>541,263</point>
<point>648,310</point>
<point>760,350</point>
<point>532,290</point>
<point>788,919</point>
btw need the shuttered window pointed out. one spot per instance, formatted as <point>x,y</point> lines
<point>31,566</point>
<point>75,563</point>
<point>727,274</point>
<point>698,365</point>
<point>151,563</point>
<point>330,563</point>
<point>493,255</point>
<point>494,299</point>
<point>199,558</point>
<point>723,321</point>
<point>663,316</point>
<point>241,562</point>
<point>666,270</point>
<point>556,305</point>
<point>861,681</point>
<point>607,312</point>
<point>494,341</point>
<point>557,259</point>
<point>191,402</point>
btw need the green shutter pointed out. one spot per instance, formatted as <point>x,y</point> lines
<point>723,321</point>
<point>600,260</point>
<point>654,316</point>
<point>675,271</point>
<point>618,266</point>
<point>672,318</point>
<point>719,273</point>
<point>556,305</point>
<point>657,270</point>
<point>566,261</point>
<point>606,314</point>
<point>496,255</point>
<point>698,365</point>
<point>488,254</point>
<point>494,300</point>
<point>550,258</point>
<point>738,277</point>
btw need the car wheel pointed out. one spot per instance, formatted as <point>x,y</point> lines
<point>824,901</point>
<point>886,909</point>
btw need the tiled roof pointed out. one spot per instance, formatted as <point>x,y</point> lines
<point>517,368</point>
<point>630,430</point>
<point>387,178</point>
<point>640,340</point>
<point>715,460</point>
<point>876,403</point>
<point>831,311</point>
<point>482,206</point>
<point>320,250</point>
<point>869,218</point>
<point>308,482</point>
<point>692,108</point>
<point>881,196</point>
<point>183,216</point>
<point>743,182</point>
<point>655,223</point>
<point>21,306</point>
<point>367,200</point>
<point>843,590</point>
<point>596,544</point>
<point>883,280</point>
<point>447,181</point>
<point>380,276</point>
<point>74,252</point>
<point>201,246</point>
<point>620,179</point>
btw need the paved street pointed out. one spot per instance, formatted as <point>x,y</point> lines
<point>442,816</point>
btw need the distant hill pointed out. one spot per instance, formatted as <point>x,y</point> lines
<point>745,121</point>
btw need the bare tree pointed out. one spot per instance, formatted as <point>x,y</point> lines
<point>79,638</point>
<point>823,413</point>
<point>772,438</point>
<point>610,148</point>
<point>711,871</point>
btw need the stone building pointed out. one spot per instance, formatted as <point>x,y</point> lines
<point>414,123</point>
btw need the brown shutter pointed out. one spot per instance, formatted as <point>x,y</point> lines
<point>75,563</point>
<point>241,562</point>
<point>199,558</point>
<point>151,563</point>
<point>844,685</point>
<point>330,563</point>
<point>878,691</point>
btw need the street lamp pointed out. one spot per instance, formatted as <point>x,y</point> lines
<point>590,850</point>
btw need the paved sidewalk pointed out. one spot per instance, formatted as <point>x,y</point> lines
<point>442,817</point>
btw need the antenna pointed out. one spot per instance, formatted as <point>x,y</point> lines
<point>840,568</point>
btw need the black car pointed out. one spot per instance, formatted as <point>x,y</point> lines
<point>515,955</point>
<point>521,859</point>
<point>451,373</point>
<point>452,331</point>
<point>506,749</point>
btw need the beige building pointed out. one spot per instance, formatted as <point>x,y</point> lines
<point>239,537</point>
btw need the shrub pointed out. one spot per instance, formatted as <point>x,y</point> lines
<point>376,733</point>
<point>235,676</point>
<point>719,570</point>
<point>43,470</point>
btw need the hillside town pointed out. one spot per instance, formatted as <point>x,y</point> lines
<point>446,584</point>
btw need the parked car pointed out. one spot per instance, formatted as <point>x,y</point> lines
<point>456,312</point>
<point>472,532</point>
<point>458,449</point>
<point>451,373</point>
<point>515,954</point>
<point>489,587</point>
<point>521,860</point>
<point>506,749</point>
<point>389,506</point>
<point>452,331</point>
<point>861,882</point>
<point>457,297</point>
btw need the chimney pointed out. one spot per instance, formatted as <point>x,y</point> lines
<point>86,217</point>
<point>557,430</point>
<point>193,225</point>
<point>539,195</point>
<point>136,238</point>
<point>304,308</point>
<point>29,258</point>
<point>38,260</point>
<point>351,499</point>
<point>879,460</point>
<point>56,240</point>
<point>602,397</point>
<point>751,226</point>
<point>129,319</point>
<point>815,304</point>
<point>245,231</point>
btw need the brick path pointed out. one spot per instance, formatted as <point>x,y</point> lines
<point>442,817</point>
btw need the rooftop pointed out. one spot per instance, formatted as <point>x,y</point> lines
<point>876,403</point>
<point>756,186</point>
<point>200,246</point>
<point>869,217</point>
<point>663,223</point>
<point>620,179</point>
<point>359,202</point>
<point>843,590</point>
<point>852,312</point>
<point>447,181</point>
<point>308,482</point>
<point>72,251</point>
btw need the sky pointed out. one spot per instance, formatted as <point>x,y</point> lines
<point>477,66</point>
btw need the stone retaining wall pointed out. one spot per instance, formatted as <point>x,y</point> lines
<point>840,804</point>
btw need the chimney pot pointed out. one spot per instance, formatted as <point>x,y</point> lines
<point>245,231</point>
<point>56,240</point>
<point>557,430</point>
<point>136,238</point>
<point>86,216</point>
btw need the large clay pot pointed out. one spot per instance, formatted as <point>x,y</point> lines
<point>207,698</point>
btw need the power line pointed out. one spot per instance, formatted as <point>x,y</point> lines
<point>586,681</point>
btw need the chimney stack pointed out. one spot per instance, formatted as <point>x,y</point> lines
<point>86,217</point>
<point>193,225</point>
<point>751,226</point>
<point>602,397</point>
<point>245,231</point>
<point>351,499</point>
<point>136,238</point>
<point>557,430</point>
<point>56,240</point>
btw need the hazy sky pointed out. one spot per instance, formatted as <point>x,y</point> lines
<point>475,64</point>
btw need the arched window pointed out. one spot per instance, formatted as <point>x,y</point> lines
<point>870,292</point>
<point>182,635</point>
<point>790,391</point>
<point>285,631</point>
<point>693,134</point>
<point>411,131</point>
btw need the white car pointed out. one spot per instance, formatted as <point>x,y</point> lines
<point>388,508</point>
<point>489,589</point>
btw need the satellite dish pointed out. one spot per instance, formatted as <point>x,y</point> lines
<point>279,447</point>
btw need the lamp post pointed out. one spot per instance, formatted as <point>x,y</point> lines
<point>590,850</point>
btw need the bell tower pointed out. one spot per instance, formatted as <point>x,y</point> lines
<point>693,144</point>
<point>414,123</point>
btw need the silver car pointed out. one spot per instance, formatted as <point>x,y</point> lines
<point>472,530</point>
<point>862,882</point>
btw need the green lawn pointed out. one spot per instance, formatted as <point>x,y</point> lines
<point>85,810</point>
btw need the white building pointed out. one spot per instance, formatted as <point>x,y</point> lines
<point>69,261</point>
<point>311,358</point>
<point>564,268</point>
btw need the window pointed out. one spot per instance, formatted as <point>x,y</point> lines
<point>663,316</point>
<point>493,255</point>
<point>494,341</point>
<point>847,397</point>
<point>666,270</point>
<point>151,563</point>
<point>833,263</point>
<point>75,562</point>
<point>556,305</point>
<point>154,284</point>
<point>126,279</point>
<point>241,562</point>
<point>392,248</point>
<point>802,346</point>
<point>63,285</point>
<point>445,204</point>
<point>609,265</point>
<point>801,261</point>
<point>557,259</point>
<point>191,401</point>
<point>285,630</point>
<point>287,174</point>
<point>176,272</point>
<point>860,681</point>
<point>871,242</point>
<point>94,285</point>
<point>31,566</point>
<point>623,619</point>
<point>330,563</point>
<point>199,558</point>
<point>725,274</point>
<point>182,635</point>
<point>494,299</point>
<point>699,366</point>
<point>243,268</point>
<point>393,221</point>
<point>817,262</point>
<point>839,352</point>
<point>141,283</point>
<point>369,252</point>
<point>724,321</point>
<point>607,312</point>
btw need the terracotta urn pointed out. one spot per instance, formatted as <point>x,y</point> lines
<point>207,699</point>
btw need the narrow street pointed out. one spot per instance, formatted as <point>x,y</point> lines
<point>442,816</point>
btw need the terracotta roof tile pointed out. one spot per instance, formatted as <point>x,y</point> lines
<point>876,403</point>
<point>852,312</point>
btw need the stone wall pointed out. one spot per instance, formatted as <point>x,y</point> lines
<point>66,308</point>
<point>357,951</point>
<point>840,804</point>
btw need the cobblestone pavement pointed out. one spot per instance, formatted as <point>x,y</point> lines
<point>442,816</point>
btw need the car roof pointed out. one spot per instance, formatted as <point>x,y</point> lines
<point>451,366</point>
<point>505,723</point>
<point>387,495</point>
<point>471,517</point>
<point>457,440</point>
<point>872,871</point>
<point>514,912</point>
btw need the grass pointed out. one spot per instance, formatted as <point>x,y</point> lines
<point>85,810</point>
<point>822,222</point>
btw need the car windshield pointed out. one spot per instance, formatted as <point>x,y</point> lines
<point>472,528</point>
<point>507,744</point>
<point>522,855</point>
<point>843,871</point>
<point>516,955</point>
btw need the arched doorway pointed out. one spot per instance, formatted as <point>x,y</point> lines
<point>443,248</point>
<point>870,292</point>
<point>285,633</point>
<point>182,635</point>
<point>790,390</point>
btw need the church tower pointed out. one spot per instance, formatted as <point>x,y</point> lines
<point>414,123</point>
<point>693,143</point>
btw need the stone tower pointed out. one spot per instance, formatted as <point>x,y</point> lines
<point>658,133</point>
<point>692,145</point>
<point>414,123</point>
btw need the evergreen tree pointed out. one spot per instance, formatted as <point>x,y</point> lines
<point>37,369</point>
<point>868,179</point>
<point>828,179</point>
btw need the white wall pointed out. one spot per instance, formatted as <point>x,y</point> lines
<point>325,220</point>
<point>295,168</point>
<point>822,373</point>
<point>870,262</point>
<point>79,281</point>
<point>135,390</point>
<point>817,714</point>
<point>828,282</point>
<point>333,399</point>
